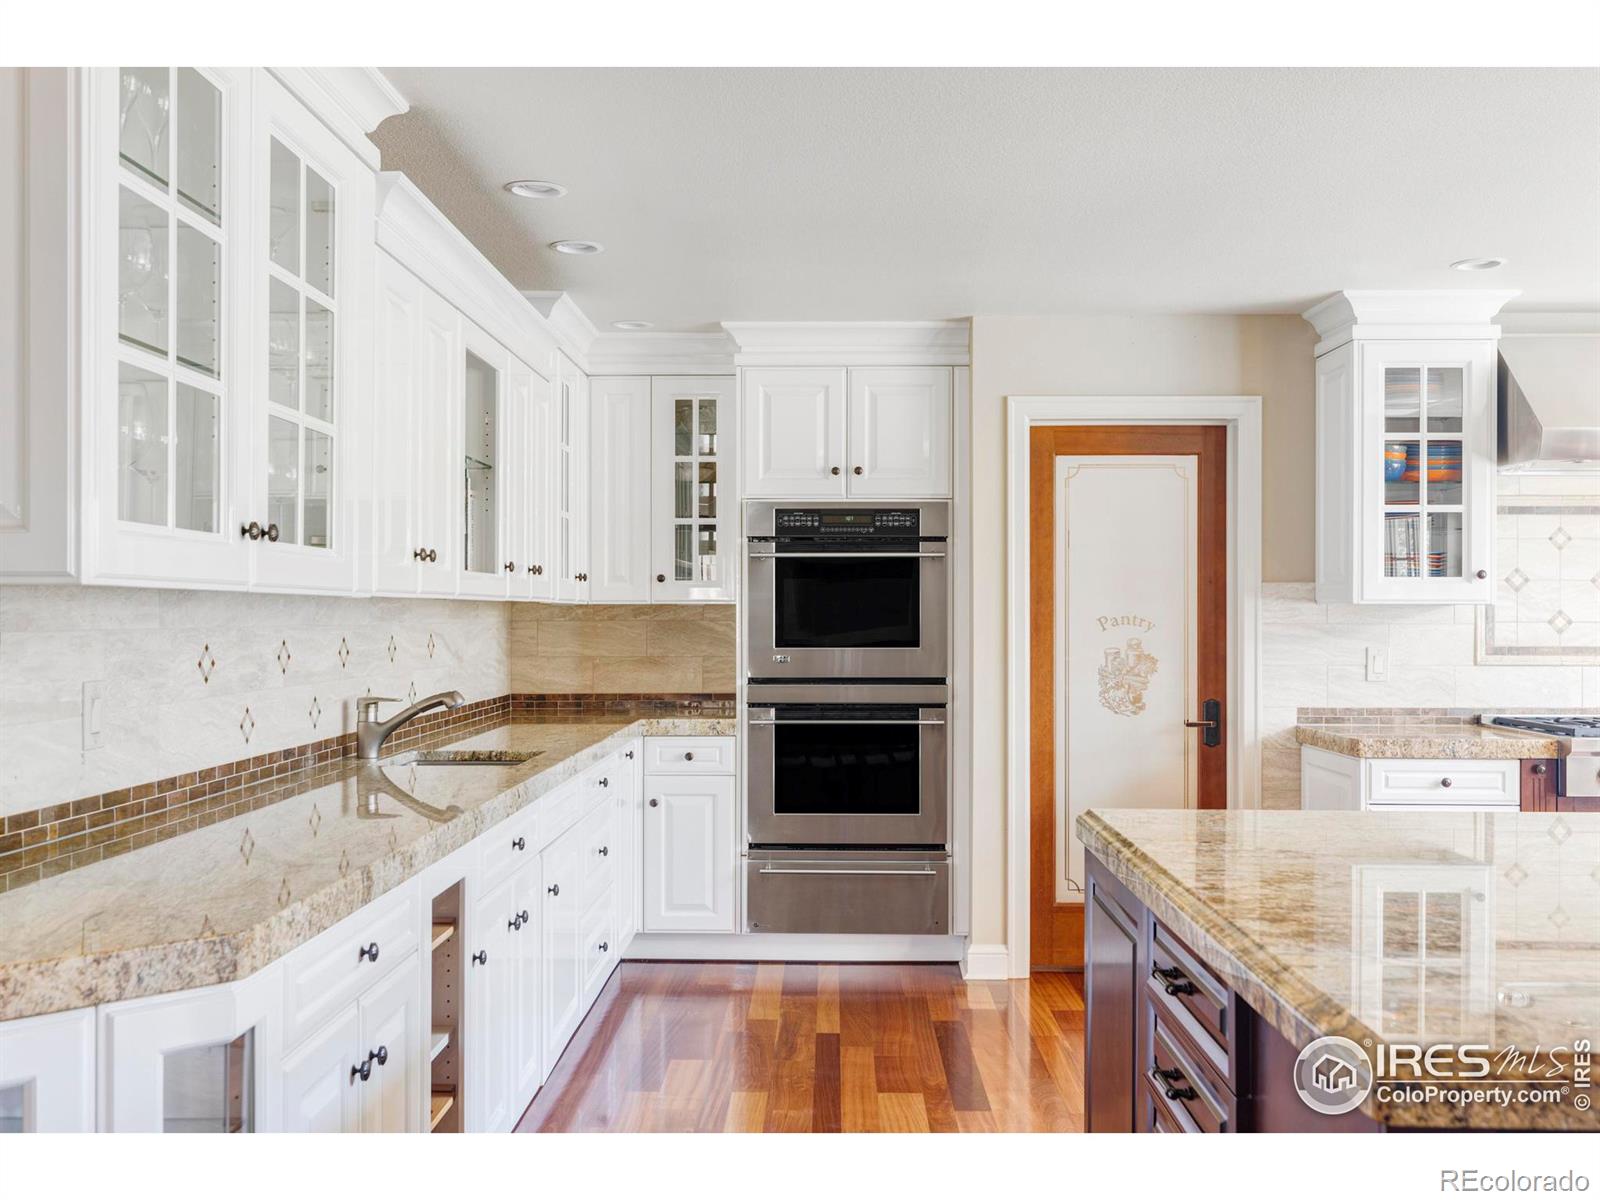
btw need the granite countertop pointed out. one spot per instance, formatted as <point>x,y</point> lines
<point>1427,741</point>
<point>1472,928</point>
<point>222,902</point>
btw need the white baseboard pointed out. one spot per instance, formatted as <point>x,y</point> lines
<point>795,947</point>
<point>986,961</point>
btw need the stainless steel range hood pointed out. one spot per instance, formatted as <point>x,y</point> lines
<point>1549,405</point>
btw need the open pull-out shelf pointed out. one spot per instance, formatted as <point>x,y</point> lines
<point>441,934</point>
<point>439,1104</point>
<point>441,1039</point>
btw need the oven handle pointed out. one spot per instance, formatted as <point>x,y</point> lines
<point>858,554</point>
<point>842,721</point>
<point>840,871</point>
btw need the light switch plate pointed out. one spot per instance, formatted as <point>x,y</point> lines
<point>1377,664</point>
<point>94,696</point>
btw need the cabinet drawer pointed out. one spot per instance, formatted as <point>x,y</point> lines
<point>331,969</point>
<point>689,756</point>
<point>560,810</point>
<point>1184,1094</point>
<point>1186,995</point>
<point>509,845</point>
<point>1443,781</point>
<point>598,949</point>
<point>596,837</point>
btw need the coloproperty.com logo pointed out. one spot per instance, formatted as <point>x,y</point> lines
<point>1335,1075</point>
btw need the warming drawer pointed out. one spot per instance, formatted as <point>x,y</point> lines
<point>798,891</point>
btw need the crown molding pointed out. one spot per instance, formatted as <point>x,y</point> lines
<point>351,101</point>
<point>1433,313</point>
<point>422,239</point>
<point>571,326</point>
<point>643,353</point>
<point>851,343</point>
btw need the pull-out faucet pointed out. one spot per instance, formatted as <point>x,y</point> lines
<point>371,733</point>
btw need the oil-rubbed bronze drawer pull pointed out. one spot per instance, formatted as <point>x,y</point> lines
<point>1164,1079</point>
<point>1174,982</point>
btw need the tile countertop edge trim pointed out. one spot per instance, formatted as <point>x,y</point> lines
<point>1369,742</point>
<point>1296,1009</point>
<point>138,972</point>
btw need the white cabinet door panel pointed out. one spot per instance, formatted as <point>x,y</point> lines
<point>391,1032</point>
<point>438,398</point>
<point>899,440</point>
<point>490,1032</point>
<point>561,967</point>
<point>619,490</point>
<point>321,1089</point>
<point>47,1073</point>
<point>690,860</point>
<point>794,435</point>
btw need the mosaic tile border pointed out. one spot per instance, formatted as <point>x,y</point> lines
<point>47,841</point>
<point>1415,716</point>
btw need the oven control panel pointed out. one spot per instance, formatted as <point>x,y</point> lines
<point>847,522</point>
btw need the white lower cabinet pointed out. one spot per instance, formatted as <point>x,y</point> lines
<point>359,1030</point>
<point>690,861</point>
<point>47,1073</point>
<point>1345,782</point>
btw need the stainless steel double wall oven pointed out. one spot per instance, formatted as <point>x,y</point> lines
<point>847,661</point>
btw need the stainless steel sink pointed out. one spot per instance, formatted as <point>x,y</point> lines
<point>462,758</point>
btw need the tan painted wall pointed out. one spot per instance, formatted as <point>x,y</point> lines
<point>1269,356</point>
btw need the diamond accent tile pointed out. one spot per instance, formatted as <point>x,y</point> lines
<point>283,656</point>
<point>1595,579</point>
<point>432,645</point>
<point>1558,917</point>
<point>206,928</point>
<point>247,724</point>
<point>344,863</point>
<point>207,663</point>
<point>394,647</point>
<point>411,693</point>
<point>394,842</point>
<point>247,846</point>
<point>316,820</point>
<point>1560,539</point>
<point>315,712</point>
<point>1559,621</point>
<point>1517,580</point>
<point>1559,830</point>
<point>284,893</point>
<point>344,654</point>
<point>1515,874</point>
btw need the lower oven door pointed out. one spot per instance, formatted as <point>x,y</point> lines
<point>847,775</point>
<point>851,891</point>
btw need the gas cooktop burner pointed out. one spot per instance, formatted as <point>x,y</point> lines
<point>1581,726</point>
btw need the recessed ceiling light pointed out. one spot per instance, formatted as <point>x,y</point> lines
<point>535,189</point>
<point>632,325</point>
<point>576,247</point>
<point>1477,264</point>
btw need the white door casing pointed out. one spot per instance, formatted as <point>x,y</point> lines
<point>1126,665</point>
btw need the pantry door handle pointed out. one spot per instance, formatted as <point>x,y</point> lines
<point>1210,725</point>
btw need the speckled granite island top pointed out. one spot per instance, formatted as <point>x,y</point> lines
<point>1465,928</point>
<point>1427,741</point>
<point>223,901</point>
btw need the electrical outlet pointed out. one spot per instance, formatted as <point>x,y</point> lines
<point>94,698</point>
<point>1377,664</point>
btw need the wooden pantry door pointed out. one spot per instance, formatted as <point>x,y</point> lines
<point>1128,619</point>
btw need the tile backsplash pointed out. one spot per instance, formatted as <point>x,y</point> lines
<point>609,649</point>
<point>191,679</point>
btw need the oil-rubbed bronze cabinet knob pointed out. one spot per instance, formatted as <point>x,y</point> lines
<point>859,471</point>
<point>510,566</point>
<point>1446,782</point>
<point>661,578</point>
<point>1540,769</point>
<point>1483,574</point>
<point>834,470</point>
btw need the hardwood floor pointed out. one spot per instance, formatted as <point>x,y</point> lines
<point>740,1047</point>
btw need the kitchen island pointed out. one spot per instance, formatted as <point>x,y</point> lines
<point>1220,944</point>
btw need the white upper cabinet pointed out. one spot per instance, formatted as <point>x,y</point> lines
<point>569,467</point>
<point>794,439</point>
<point>878,432</point>
<point>312,273</point>
<point>619,490</point>
<point>483,441</point>
<point>167,318</point>
<point>899,432</point>
<point>1406,447</point>
<point>692,512</point>
<point>539,497</point>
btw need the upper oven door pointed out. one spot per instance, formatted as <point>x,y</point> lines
<point>847,775</point>
<point>824,609</point>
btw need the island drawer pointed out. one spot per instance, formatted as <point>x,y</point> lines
<point>1184,1093</point>
<point>329,971</point>
<point>1445,782</point>
<point>1188,996</point>
<point>689,756</point>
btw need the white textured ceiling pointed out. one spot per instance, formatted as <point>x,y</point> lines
<point>907,194</point>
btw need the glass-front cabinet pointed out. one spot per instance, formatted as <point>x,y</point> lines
<point>568,464</point>
<point>224,250</point>
<point>165,313</point>
<point>693,494</point>
<point>1427,469</point>
<point>485,436</point>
